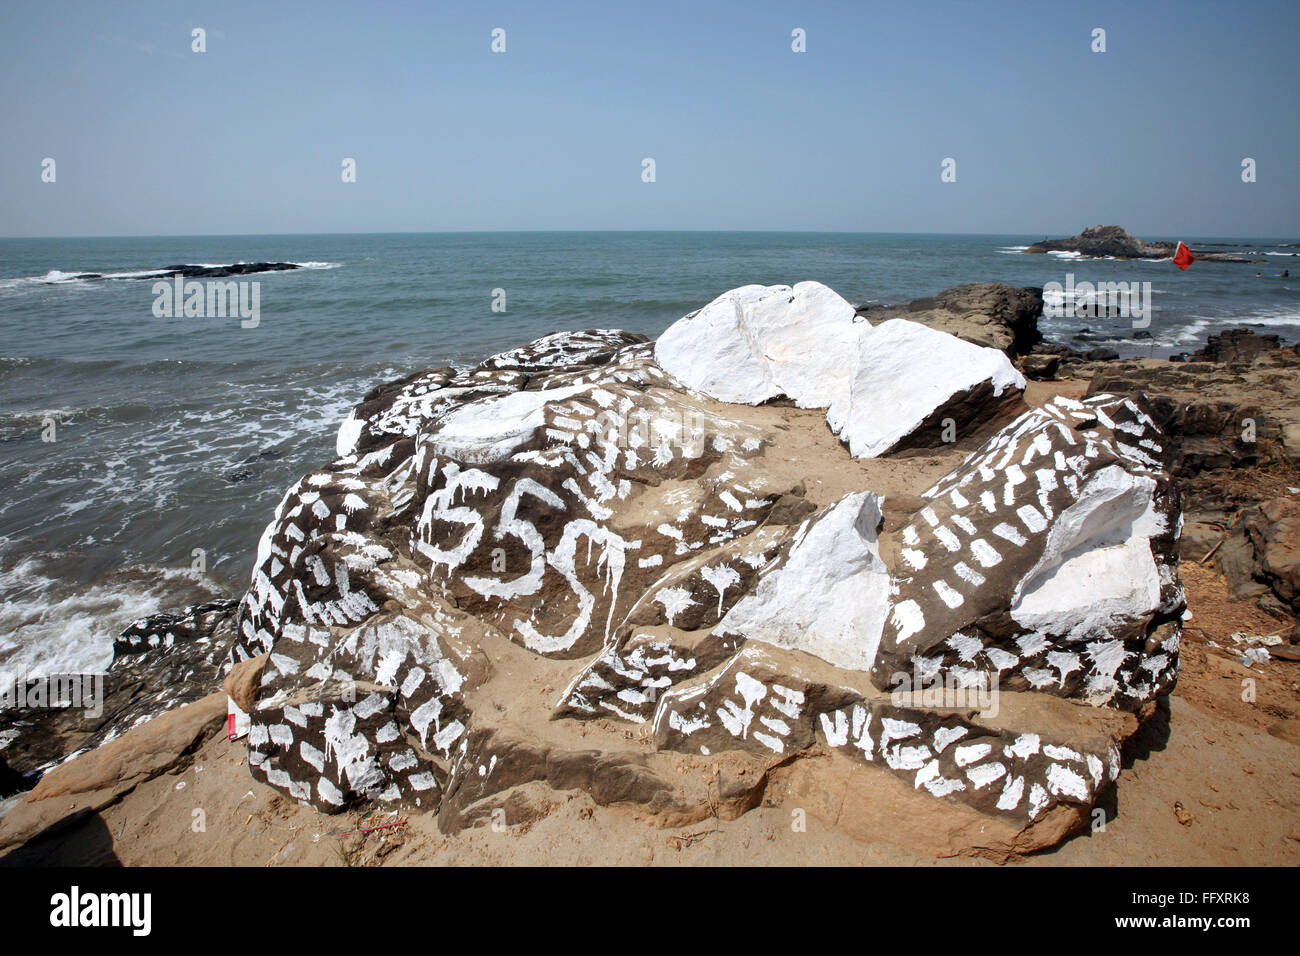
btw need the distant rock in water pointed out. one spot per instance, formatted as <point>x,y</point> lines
<point>1115,242</point>
<point>196,272</point>
<point>222,272</point>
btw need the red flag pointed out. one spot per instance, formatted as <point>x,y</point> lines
<point>1183,257</point>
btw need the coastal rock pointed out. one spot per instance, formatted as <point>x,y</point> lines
<point>1040,368</point>
<point>1262,551</point>
<point>508,571</point>
<point>890,407</point>
<point>184,271</point>
<point>1232,426</point>
<point>159,663</point>
<point>1104,241</point>
<point>1114,242</point>
<point>1235,345</point>
<point>1071,498</point>
<point>992,314</point>
<point>757,344</point>
<point>828,594</point>
<point>100,777</point>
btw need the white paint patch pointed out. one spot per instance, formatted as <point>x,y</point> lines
<point>830,597</point>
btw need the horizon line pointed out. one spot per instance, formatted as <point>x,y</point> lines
<point>465,232</point>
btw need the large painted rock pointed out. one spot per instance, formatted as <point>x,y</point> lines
<point>884,388</point>
<point>570,568</point>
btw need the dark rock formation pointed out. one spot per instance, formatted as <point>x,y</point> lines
<point>1113,241</point>
<point>11,781</point>
<point>199,272</point>
<point>1236,345</point>
<point>159,663</point>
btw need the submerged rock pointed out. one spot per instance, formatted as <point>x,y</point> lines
<point>593,562</point>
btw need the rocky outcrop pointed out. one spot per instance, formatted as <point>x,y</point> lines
<point>102,776</point>
<point>595,562</point>
<point>1114,242</point>
<point>1262,554</point>
<point>991,314</point>
<point>1236,346</point>
<point>194,272</point>
<point>1232,414</point>
<point>159,663</point>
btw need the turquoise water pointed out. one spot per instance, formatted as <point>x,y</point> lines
<point>177,434</point>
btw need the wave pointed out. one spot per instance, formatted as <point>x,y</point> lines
<point>1270,319</point>
<point>48,626</point>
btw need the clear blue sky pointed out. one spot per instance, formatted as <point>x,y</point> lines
<point>152,139</point>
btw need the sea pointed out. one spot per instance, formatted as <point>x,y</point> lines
<point>141,455</point>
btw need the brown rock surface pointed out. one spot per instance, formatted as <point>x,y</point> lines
<point>96,779</point>
<point>244,681</point>
<point>992,314</point>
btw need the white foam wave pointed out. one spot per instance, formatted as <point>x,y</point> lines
<point>48,628</point>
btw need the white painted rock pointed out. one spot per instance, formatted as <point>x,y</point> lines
<point>757,343</point>
<point>907,376</point>
<point>500,556</point>
<point>884,388</point>
<point>829,595</point>
<point>1048,561</point>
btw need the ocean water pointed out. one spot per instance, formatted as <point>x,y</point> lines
<point>177,435</point>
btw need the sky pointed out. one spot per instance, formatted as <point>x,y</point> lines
<point>149,137</point>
